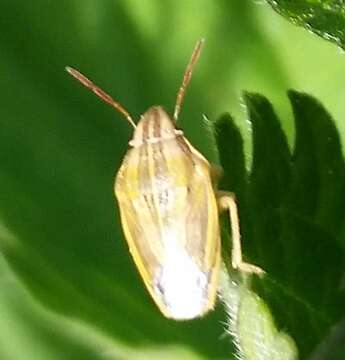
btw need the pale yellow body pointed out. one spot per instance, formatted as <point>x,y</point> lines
<point>170,218</point>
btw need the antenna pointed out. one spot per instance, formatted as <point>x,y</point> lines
<point>100,93</point>
<point>187,76</point>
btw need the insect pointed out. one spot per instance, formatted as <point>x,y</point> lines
<point>170,208</point>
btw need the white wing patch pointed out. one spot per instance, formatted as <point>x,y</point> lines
<point>180,283</point>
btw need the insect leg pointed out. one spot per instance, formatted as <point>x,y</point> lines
<point>227,201</point>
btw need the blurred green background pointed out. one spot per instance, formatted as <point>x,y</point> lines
<point>68,287</point>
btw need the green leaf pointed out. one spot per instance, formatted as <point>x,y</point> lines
<point>252,326</point>
<point>292,215</point>
<point>332,348</point>
<point>60,148</point>
<point>325,18</point>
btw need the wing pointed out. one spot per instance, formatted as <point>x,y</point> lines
<point>170,220</point>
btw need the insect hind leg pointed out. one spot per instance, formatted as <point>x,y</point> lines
<point>227,201</point>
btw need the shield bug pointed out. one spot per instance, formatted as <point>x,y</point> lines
<point>170,208</point>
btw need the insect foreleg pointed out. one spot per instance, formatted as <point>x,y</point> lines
<point>227,201</point>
